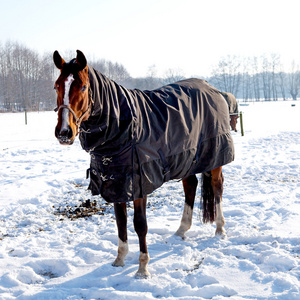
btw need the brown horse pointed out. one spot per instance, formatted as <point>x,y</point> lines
<point>140,139</point>
<point>233,109</point>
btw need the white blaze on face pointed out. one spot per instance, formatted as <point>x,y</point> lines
<point>65,112</point>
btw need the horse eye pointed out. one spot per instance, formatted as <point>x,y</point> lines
<point>83,88</point>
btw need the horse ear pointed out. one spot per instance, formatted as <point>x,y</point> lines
<point>58,61</point>
<point>81,60</point>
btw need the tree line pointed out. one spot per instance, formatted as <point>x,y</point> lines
<point>27,78</point>
<point>257,78</point>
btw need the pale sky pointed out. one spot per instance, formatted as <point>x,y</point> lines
<point>191,35</point>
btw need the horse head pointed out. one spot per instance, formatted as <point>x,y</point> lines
<point>73,97</point>
<point>233,122</point>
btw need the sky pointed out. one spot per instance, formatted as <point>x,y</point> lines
<point>189,36</point>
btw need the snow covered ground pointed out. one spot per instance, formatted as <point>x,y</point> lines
<point>44,254</point>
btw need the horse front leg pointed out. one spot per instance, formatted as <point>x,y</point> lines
<point>141,228</point>
<point>217,185</point>
<point>190,186</point>
<point>121,219</point>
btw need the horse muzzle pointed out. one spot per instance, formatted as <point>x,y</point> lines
<point>64,136</point>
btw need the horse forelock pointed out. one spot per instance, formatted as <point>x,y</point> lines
<point>71,68</point>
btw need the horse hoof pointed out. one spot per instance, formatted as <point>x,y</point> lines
<point>118,263</point>
<point>221,234</point>
<point>142,275</point>
<point>180,234</point>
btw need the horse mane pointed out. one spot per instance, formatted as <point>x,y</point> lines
<point>111,115</point>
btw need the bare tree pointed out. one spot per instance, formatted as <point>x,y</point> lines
<point>151,81</point>
<point>294,81</point>
<point>121,72</point>
<point>275,65</point>
<point>114,71</point>
<point>255,66</point>
<point>6,78</point>
<point>47,74</point>
<point>270,66</point>
<point>266,78</point>
<point>227,73</point>
<point>282,83</point>
<point>99,65</point>
<point>246,79</point>
<point>173,75</point>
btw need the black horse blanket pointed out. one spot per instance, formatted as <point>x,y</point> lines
<point>232,103</point>
<point>140,139</point>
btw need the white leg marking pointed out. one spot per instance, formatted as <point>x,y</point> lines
<point>220,221</point>
<point>143,270</point>
<point>122,252</point>
<point>186,221</point>
<point>65,112</point>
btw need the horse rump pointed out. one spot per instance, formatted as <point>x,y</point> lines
<point>207,199</point>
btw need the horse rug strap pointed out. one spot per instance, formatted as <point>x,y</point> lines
<point>169,133</point>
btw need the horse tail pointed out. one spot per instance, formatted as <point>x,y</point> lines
<point>207,198</point>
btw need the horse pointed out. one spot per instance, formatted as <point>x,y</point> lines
<point>233,109</point>
<point>138,140</point>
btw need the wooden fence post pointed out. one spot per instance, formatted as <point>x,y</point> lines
<point>241,121</point>
<point>25,117</point>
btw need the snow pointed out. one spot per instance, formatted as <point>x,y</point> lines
<point>44,254</point>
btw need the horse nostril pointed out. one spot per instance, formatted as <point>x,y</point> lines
<point>70,133</point>
<point>66,132</point>
<point>64,135</point>
<point>56,132</point>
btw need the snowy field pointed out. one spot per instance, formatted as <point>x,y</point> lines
<point>46,252</point>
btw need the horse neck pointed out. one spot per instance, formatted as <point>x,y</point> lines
<point>107,95</point>
<point>111,111</point>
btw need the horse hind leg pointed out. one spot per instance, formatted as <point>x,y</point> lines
<point>217,185</point>
<point>190,186</point>
<point>212,191</point>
